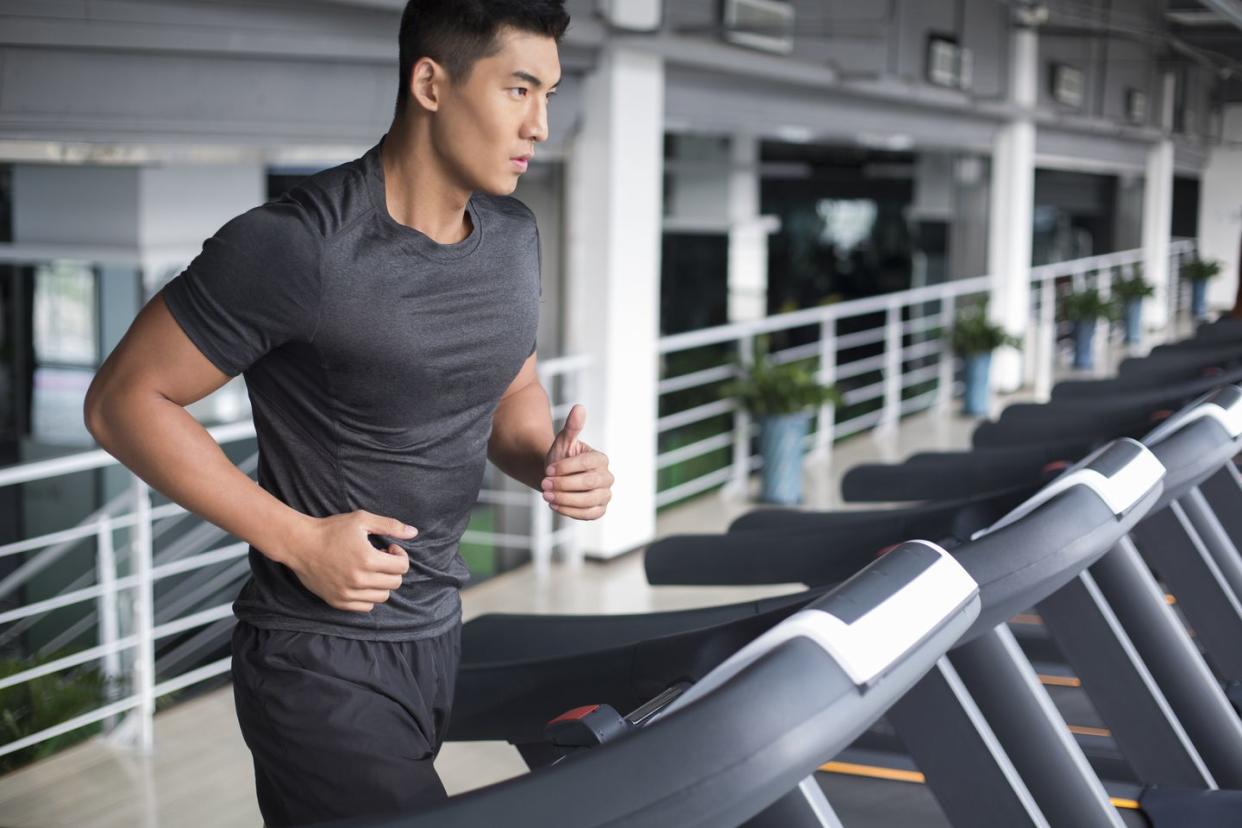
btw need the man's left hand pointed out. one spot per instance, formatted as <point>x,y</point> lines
<point>578,483</point>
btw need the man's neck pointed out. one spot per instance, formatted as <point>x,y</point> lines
<point>417,188</point>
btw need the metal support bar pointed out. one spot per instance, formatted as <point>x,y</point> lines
<point>966,767</point>
<point>1120,686</point>
<point>1216,539</point>
<point>1173,660</point>
<point>1174,550</point>
<point>1036,738</point>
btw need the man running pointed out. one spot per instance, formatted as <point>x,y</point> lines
<point>384,315</point>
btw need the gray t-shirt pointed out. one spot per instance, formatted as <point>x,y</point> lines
<point>374,358</point>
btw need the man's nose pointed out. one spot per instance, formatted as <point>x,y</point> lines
<point>536,126</point>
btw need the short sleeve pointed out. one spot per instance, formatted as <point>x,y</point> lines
<point>254,287</point>
<point>538,279</point>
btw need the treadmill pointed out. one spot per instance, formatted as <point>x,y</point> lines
<point>739,745</point>
<point>519,671</point>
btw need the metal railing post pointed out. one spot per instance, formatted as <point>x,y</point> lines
<point>739,485</point>
<point>571,388</point>
<point>144,618</point>
<point>827,375</point>
<point>106,606</point>
<point>1045,362</point>
<point>948,360</point>
<point>540,534</point>
<point>891,412</point>
<point>1103,327</point>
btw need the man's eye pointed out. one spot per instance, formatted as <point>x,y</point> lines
<point>519,91</point>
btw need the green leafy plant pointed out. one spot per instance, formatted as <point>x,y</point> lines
<point>974,333</point>
<point>1087,305</point>
<point>1128,289</point>
<point>767,388</point>
<point>1200,270</point>
<point>45,701</point>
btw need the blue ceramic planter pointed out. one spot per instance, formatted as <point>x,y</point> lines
<point>976,368</point>
<point>1198,298</point>
<point>1134,321</point>
<point>1084,338</point>
<point>780,442</point>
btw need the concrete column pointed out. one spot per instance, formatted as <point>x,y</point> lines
<point>1011,209</point>
<point>1158,215</point>
<point>614,172</point>
<point>748,234</point>
<point>1220,210</point>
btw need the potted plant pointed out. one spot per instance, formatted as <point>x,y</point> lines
<point>1084,308</point>
<point>974,338</point>
<point>1130,291</point>
<point>1199,272</point>
<point>782,397</point>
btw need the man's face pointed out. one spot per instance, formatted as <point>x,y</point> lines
<point>486,128</point>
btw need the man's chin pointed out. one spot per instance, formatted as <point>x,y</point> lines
<point>499,187</point>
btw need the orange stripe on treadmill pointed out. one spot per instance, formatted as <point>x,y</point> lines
<point>1169,599</point>
<point>900,775</point>
<point>1026,618</point>
<point>1060,681</point>
<point>1082,730</point>
<point>873,772</point>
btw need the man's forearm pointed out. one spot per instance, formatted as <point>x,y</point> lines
<point>522,434</point>
<point>164,445</point>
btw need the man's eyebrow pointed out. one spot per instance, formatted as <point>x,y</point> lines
<point>531,79</point>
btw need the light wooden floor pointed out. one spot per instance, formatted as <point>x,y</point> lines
<point>199,775</point>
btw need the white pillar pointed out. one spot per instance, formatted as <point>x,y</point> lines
<point>1158,215</point>
<point>1220,210</point>
<point>1011,208</point>
<point>614,171</point>
<point>748,234</point>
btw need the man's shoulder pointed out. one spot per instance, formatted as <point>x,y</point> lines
<point>506,209</point>
<point>330,200</point>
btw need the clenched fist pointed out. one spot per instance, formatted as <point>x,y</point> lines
<point>333,557</point>
<point>578,482</point>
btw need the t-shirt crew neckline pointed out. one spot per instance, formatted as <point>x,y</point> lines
<point>417,240</point>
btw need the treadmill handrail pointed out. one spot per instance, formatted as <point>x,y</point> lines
<point>1120,490</point>
<point>1223,405</point>
<point>929,590</point>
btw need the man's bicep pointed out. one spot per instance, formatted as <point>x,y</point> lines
<point>157,356</point>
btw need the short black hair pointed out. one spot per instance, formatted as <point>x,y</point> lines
<point>456,33</point>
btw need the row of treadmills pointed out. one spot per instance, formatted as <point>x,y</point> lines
<point>1062,647</point>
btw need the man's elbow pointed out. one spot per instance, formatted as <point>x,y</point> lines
<point>95,412</point>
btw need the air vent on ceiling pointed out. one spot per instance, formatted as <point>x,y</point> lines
<point>1068,85</point>
<point>948,63</point>
<point>760,24</point>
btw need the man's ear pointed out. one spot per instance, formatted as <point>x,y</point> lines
<point>427,79</point>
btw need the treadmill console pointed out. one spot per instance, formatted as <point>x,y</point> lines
<point>1223,405</point>
<point>870,621</point>
<point>1121,473</point>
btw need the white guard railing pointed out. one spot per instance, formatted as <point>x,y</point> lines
<point>124,604</point>
<point>897,365</point>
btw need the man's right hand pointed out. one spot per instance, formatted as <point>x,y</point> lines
<point>334,558</point>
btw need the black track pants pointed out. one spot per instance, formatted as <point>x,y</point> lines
<point>340,727</point>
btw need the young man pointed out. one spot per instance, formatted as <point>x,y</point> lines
<point>384,314</point>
